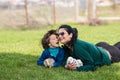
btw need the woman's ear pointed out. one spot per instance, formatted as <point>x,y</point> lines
<point>71,34</point>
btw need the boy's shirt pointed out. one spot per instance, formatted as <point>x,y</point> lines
<point>46,54</point>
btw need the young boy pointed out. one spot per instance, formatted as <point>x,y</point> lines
<point>52,54</point>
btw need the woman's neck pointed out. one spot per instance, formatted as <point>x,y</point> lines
<point>70,47</point>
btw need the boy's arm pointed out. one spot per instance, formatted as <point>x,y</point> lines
<point>59,58</point>
<point>41,59</point>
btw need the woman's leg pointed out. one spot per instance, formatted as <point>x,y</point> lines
<point>114,51</point>
<point>117,45</point>
<point>104,45</point>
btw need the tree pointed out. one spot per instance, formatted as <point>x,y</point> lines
<point>92,19</point>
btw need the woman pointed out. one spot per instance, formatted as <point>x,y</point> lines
<point>91,55</point>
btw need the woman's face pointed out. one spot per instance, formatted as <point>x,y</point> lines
<point>64,37</point>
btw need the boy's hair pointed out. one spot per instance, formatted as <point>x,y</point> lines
<point>45,39</point>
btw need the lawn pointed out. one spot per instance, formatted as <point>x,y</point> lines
<point>19,51</point>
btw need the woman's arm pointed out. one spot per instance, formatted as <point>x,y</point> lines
<point>84,55</point>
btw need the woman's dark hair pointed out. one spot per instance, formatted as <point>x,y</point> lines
<point>45,39</point>
<point>70,30</point>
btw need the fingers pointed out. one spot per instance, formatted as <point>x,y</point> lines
<point>71,66</point>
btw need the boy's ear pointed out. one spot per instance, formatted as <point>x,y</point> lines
<point>49,44</point>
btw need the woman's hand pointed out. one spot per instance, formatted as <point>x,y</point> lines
<point>71,66</point>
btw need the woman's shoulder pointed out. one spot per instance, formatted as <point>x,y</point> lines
<point>78,41</point>
<point>82,43</point>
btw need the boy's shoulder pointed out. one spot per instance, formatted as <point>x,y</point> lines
<point>45,51</point>
<point>60,47</point>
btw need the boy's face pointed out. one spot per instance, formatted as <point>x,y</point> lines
<point>53,41</point>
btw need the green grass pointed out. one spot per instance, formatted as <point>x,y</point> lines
<point>19,51</point>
